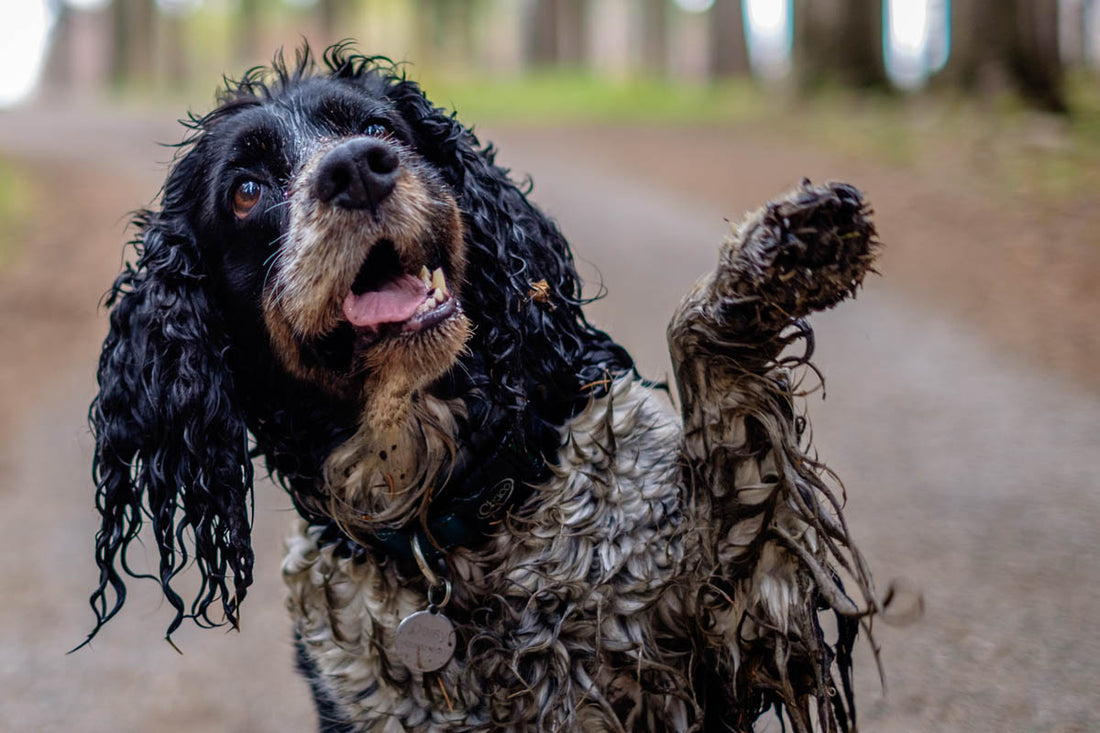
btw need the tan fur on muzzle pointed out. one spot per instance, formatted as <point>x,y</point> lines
<point>325,246</point>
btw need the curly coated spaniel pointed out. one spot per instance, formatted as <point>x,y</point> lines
<point>502,526</point>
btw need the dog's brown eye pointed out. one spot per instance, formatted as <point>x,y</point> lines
<point>375,129</point>
<point>245,197</point>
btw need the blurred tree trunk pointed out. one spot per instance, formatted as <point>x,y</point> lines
<point>655,36</point>
<point>812,40</point>
<point>1073,33</point>
<point>861,61</point>
<point>572,29</point>
<point>1036,63</point>
<point>729,54</point>
<point>330,14</point>
<point>840,41</point>
<point>134,31</point>
<point>445,31</point>
<point>427,20</point>
<point>998,44</point>
<point>462,17</point>
<point>541,36</point>
<point>247,38</point>
<point>81,54</point>
<point>556,32</point>
<point>60,63</point>
<point>173,48</point>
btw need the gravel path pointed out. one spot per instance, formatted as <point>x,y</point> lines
<point>971,473</point>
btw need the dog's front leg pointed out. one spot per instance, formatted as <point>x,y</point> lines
<point>774,539</point>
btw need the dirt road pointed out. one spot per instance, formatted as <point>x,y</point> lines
<point>971,472</point>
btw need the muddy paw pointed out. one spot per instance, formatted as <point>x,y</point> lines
<point>802,252</point>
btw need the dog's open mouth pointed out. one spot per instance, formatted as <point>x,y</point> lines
<point>385,300</point>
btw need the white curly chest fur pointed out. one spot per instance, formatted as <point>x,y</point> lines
<point>573,599</point>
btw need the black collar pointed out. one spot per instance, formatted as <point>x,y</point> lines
<point>500,461</point>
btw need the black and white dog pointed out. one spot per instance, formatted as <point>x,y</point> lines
<point>502,525</point>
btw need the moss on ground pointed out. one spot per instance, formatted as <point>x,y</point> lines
<point>17,203</point>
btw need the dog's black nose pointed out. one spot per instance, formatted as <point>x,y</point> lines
<point>357,174</point>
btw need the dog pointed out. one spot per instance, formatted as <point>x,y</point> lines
<point>502,524</point>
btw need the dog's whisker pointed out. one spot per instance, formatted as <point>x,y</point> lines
<point>276,206</point>
<point>269,263</point>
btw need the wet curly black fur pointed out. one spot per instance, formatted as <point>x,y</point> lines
<point>186,371</point>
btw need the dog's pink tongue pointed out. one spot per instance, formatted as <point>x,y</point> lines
<point>394,302</point>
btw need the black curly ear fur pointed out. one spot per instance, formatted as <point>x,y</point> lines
<point>522,288</point>
<point>171,443</point>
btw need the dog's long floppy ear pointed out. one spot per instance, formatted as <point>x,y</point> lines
<point>171,442</point>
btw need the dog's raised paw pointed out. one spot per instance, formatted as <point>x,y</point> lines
<point>804,251</point>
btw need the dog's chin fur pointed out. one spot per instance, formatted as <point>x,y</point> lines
<point>637,581</point>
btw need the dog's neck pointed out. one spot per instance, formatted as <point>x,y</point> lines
<point>463,459</point>
<point>440,470</point>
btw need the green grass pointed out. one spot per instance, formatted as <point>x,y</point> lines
<point>572,98</point>
<point>1018,151</point>
<point>17,201</point>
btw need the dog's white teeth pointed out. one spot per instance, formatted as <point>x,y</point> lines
<point>439,282</point>
<point>425,276</point>
<point>438,295</point>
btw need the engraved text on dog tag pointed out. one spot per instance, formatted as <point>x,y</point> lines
<point>425,641</point>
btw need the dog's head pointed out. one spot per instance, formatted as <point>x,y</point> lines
<point>323,211</point>
<point>322,207</point>
<point>329,248</point>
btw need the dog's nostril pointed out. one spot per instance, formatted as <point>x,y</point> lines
<point>382,159</point>
<point>357,174</point>
<point>331,181</point>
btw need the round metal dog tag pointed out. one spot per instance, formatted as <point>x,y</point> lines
<point>425,641</point>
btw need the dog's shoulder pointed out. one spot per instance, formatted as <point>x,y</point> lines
<point>620,457</point>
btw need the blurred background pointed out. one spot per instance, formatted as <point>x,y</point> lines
<point>963,404</point>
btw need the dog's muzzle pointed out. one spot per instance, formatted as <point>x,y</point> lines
<point>369,268</point>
